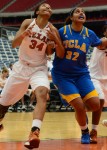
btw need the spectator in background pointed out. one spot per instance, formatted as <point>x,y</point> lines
<point>30,96</point>
<point>32,99</point>
<point>26,102</point>
<point>3,78</point>
<point>10,68</point>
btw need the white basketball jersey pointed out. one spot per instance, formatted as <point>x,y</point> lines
<point>98,64</point>
<point>32,49</point>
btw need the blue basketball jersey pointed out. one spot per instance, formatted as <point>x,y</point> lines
<point>76,45</point>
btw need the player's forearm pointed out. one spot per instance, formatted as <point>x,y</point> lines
<point>60,51</point>
<point>18,40</point>
<point>103,45</point>
<point>49,51</point>
<point>104,42</point>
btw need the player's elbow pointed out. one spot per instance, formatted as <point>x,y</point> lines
<point>60,55</point>
<point>13,45</point>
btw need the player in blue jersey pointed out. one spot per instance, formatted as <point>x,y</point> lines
<point>71,74</point>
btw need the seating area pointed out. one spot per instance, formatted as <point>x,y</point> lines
<point>65,4</point>
<point>7,53</point>
<point>25,10</point>
<point>17,6</point>
<point>4,3</point>
<point>89,3</point>
<point>28,5</point>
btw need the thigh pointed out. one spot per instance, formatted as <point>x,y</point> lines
<point>86,87</point>
<point>104,87</point>
<point>13,90</point>
<point>40,78</point>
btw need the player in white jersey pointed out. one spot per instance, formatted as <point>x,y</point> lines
<point>33,39</point>
<point>98,72</point>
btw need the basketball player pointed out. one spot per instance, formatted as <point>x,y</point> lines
<point>34,40</point>
<point>71,74</point>
<point>98,72</point>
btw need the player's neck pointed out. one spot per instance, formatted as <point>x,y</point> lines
<point>41,22</point>
<point>76,27</point>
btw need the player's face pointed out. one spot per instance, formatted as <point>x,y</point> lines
<point>45,10</point>
<point>78,16</point>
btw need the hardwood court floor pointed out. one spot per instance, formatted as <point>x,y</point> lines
<point>59,131</point>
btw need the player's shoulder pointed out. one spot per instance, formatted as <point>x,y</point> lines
<point>90,32</point>
<point>28,21</point>
<point>63,30</point>
<point>50,25</point>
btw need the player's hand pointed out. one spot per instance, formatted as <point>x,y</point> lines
<point>28,31</point>
<point>52,35</point>
<point>51,44</point>
<point>103,45</point>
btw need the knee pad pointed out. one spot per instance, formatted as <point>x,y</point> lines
<point>3,110</point>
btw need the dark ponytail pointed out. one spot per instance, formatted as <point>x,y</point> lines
<point>68,19</point>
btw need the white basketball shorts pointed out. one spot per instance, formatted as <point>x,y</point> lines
<point>101,87</point>
<point>21,77</point>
